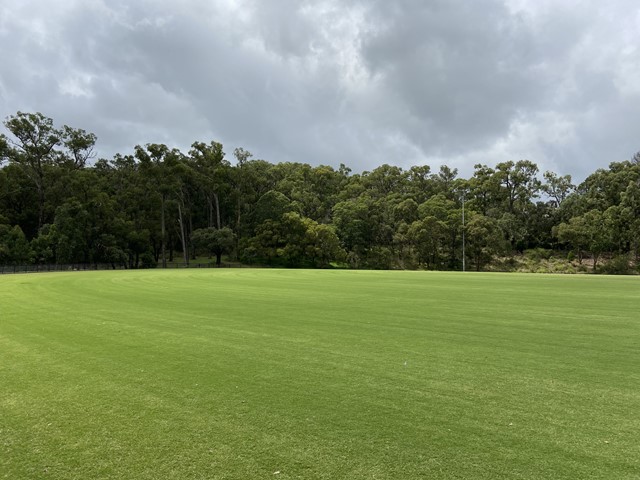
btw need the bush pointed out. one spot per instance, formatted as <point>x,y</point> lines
<point>148,261</point>
<point>538,254</point>
<point>618,265</point>
<point>582,268</point>
<point>379,258</point>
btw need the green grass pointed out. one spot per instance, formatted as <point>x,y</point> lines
<point>239,373</point>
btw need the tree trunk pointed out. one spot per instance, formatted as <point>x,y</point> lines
<point>192,249</point>
<point>163,234</point>
<point>185,252</point>
<point>217,202</point>
<point>40,207</point>
<point>210,211</point>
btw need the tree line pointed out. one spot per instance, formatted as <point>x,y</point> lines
<point>156,204</point>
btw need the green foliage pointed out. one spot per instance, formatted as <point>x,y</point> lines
<point>322,246</point>
<point>156,198</point>
<point>557,187</point>
<point>618,265</point>
<point>537,254</point>
<point>214,241</point>
<point>428,238</point>
<point>355,222</point>
<point>147,260</point>
<point>4,149</point>
<point>72,231</point>
<point>587,232</point>
<point>44,245</point>
<point>14,247</point>
<point>271,206</point>
<point>406,211</point>
<point>38,149</point>
<point>294,241</point>
<point>484,240</point>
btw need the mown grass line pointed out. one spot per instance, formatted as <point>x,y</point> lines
<point>318,374</point>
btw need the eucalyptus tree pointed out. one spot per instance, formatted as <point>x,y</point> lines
<point>610,192</point>
<point>428,236</point>
<point>356,222</point>
<point>295,241</point>
<point>4,149</point>
<point>249,182</point>
<point>32,148</point>
<point>158,165</point>
<point>385,180</point>
<point>484,189</point>
<point>405,211</point>
<point>130,190</point>
<point>557,187</point>
<point>587,233</point>
<point>627,219</point>
<point>520,184</point>
<point>73,233</point>
<point>604,187</point>
<point>420,183</point>
<point>444,217</point>
<point>184,186</point>
<point>271,206</point>
<point>18,199</point>
<point>242,157</point>
<point>444,181</point>
<point>326,183</point>
<point>365,228</point>
<point>404,214</point>
<point>484,239</point>
<point>79,146</point>
<point>214,241</point>
<point>89,225</point>
<point>36,146</point>
<point>212,176</point>
<point>14,246</point>
<point>314,190</point>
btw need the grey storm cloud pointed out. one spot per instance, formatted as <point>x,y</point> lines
<point>326,82</point>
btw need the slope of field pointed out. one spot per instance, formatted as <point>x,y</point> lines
<point>243,374</point>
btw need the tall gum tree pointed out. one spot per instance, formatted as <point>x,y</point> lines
<point>211,171</point>
<point>157,163</point>
<point>32,148</point>
<point>37,145</point>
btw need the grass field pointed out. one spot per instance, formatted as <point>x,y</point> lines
<point>249,374</point>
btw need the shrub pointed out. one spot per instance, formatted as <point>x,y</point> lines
<point>148,261</point>
<point>618,265</point>
<point>538,254</point>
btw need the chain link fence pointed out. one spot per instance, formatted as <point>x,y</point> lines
<point>78,267</point>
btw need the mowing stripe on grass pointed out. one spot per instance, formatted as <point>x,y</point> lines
<point>318,374</point>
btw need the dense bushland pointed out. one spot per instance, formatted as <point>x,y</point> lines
<point>153,205</point>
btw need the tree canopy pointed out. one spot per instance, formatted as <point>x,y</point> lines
<point>144,207</point>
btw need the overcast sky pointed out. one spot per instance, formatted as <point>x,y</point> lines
<point>403,82</point>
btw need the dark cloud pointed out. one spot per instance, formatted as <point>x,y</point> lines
<point>331,81</point>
